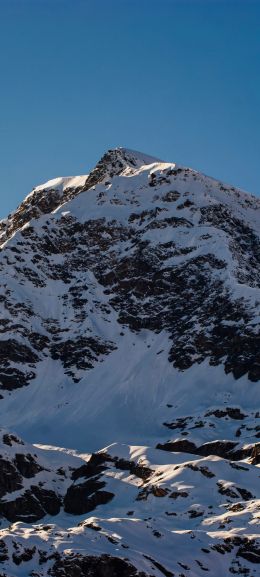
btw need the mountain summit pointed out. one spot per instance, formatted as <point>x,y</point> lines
<point>130,307</point>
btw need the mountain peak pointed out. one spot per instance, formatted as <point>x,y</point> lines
<point>127,157</point>
<point>135,157</point>
<point>130,321</point>
<point>116,161</point>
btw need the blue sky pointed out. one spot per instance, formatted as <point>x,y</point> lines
<point>176,79</point>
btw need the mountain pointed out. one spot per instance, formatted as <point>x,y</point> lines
<point>129,375</point>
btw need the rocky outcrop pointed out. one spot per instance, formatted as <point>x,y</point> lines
<point>86,496</point>
<point>104,566</point>
<point>31,506</point>
<point>129,312</point>
<point>174,285</point>
<point>225,449</point>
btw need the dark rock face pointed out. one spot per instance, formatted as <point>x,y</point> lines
<point>10,478</point>
<point>104,566</point>
<point>27,508</point>
<point>233,413</point>
<point>49,500</point>
<point>11,379</point>
<point>29,505</point>
<point>141,471</point>
<point>14,352</point>
<point>85,497</point>
<point>249,550</point>
<point>112,163</point>
<point>141,287</point>
<point>80,353</point>
<point>93,468</point>
<point>244,242</point>
<point>10,440</point>
<point>224,449</point>
<point>3,552</point>
<point>17,503</point>
<point>27,465</point>
<point>24,557</point>
<point>169,298</point>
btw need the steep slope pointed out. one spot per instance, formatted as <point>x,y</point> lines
<point>130,317</point>
<point>158,513</point>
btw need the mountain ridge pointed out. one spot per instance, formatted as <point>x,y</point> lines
<point>130,320</point>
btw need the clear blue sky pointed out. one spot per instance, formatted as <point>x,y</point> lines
<point>176,79</point>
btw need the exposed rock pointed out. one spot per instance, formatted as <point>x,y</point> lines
<point>104,566</point>
<point>85,497</point>
<point>27,465</point>
<point>10,478</point>
<point>224,449</point>
<point>129,308</point>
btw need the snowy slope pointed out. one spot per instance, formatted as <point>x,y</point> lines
<point>130,319</point>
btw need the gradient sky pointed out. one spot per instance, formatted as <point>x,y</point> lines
<point>173,78</point>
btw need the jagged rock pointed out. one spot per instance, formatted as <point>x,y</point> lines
<point>10,478</point>
<point>104,566</point>
<point>129,307</point>
<point>27,465</point>
<point>85,497</point>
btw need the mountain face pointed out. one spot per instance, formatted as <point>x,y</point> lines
<point>130,310</point>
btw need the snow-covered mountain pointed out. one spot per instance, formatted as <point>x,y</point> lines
<point>130,320</point>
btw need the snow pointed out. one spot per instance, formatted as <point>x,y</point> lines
<point>61,183</point>
<point>139,157</point>
<point>122,406</point>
